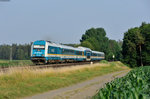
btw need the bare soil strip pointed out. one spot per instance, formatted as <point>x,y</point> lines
<point>83,90</point>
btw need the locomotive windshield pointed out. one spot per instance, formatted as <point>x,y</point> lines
<point>38,46</point>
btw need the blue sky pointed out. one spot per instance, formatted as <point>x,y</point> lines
<point>64,21</point>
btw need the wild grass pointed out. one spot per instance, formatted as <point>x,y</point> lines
<point>18,83</point>
<point>8,63</point>
<point>104,61</point>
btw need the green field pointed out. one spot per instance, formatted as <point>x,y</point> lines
<point>135,85</point>
<point>21,83</point>
<point>7,63</point>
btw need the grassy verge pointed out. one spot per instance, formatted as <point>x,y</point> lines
<point>7,63</point>
<point>135,85</point>
<point>21,83</point>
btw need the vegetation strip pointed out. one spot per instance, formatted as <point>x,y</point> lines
<point>13,63</point>
<point>135,85</point>
<point>28,82</point>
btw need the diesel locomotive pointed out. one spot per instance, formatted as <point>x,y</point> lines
<point>44,52</point>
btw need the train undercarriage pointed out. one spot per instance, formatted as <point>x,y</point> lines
<point>42,60</point>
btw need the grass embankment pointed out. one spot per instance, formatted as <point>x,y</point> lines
<point>20,83</point>
<point>8,63</point>
<point>135,85</point>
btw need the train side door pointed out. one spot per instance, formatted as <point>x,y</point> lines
<point>88,56</point>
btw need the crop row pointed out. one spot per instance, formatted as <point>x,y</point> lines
<point>135,85</point>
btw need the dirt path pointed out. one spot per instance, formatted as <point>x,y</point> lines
<point>83,90</point>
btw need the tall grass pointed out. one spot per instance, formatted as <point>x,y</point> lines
<point>104,61</point>
<point>24,82</point>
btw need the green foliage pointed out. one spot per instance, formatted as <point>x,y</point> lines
<point>19,52</point>
<point>95,39</point>
<point>145,31</point>
<point>136,46</point>
<point>104,61</point>
<point>135,85</point>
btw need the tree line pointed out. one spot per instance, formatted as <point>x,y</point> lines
<point>134,50</point>
<point>15,52</point>
<point>94,38</point>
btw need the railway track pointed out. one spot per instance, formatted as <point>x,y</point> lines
<point>5,69</point>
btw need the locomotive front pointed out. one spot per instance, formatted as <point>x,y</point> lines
<point>38,52</point>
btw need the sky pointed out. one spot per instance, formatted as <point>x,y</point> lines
<point>65,21</point>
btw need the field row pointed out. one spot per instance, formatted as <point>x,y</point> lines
<point>135,85</point>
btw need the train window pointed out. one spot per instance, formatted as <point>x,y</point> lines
<point>38,46</point>
<point>94,54</point>
<point>102,55</point>
<point>38,49</point>
<point>78,53</point>
<point>52,50</point>
<point>67,51</point>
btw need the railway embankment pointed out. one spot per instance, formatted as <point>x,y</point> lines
<point>27,82</point>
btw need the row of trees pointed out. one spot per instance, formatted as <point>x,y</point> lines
<point>134,50</point>
<point>94,38</point>
<point>136,46</point>
<point>15,52</point>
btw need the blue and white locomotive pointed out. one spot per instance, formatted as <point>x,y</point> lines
<point>47,52</point>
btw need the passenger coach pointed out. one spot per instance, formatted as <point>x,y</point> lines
<point>47,52</point>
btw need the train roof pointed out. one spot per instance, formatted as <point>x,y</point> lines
<point>54,44</point>
<point>97,52</point>
<point>64,46</point>
<point>80,48</point>
<point>84,48</point>
<point>71,48</point>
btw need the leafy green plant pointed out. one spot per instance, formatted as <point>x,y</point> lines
<point>135,85</point>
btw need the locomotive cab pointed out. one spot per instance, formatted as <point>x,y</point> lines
<point>38,52</point>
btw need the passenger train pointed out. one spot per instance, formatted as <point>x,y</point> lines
<point>43,52</point>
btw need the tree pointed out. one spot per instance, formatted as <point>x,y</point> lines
<point>19,52</point>
<point>129,47</point>
<point>145,32</point>
<point>95,39</point>
<point>136,46</point>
